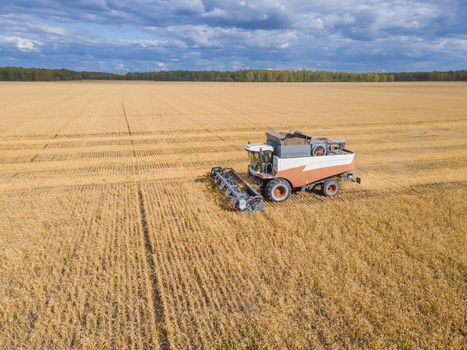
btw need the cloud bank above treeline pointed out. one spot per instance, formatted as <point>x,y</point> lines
<point>143,35</point>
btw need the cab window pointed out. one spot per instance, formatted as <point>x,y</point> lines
<point>254,161</point>
<point>266,162</point>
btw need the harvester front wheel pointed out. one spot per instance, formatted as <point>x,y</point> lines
<point>330,187</point>
<point>277,190</point>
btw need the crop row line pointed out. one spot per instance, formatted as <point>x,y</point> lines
<point>184,132</point>
<point>159,312</point>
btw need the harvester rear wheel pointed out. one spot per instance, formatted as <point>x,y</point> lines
<point>330,187</point>
<point>277,190</point>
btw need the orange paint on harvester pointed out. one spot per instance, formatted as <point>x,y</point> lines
<point>298,177</point>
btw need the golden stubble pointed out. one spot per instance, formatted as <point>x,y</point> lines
<point>111,235</point>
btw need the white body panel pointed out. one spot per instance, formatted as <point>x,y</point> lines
<point>312,163</point>
<point>256,147</point>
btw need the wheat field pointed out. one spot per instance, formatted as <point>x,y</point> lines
<point>111,236</point>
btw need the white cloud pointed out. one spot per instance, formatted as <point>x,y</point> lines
<point>160,65</point>
<point>203,36</point>
<point>189,6</point>
<point>148,43</point>
<point>27,24</point>
<point>401,16</point>
<point>50,29</point>
<point>22,44</point>
<point>309,21</point>
<point>448,44</point>
<point>270,39</point>
<point>216,13</point>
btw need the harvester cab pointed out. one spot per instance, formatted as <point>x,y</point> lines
<point>261,160</point>
<point>287,162</point>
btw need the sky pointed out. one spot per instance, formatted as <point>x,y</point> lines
<point>153,35</point>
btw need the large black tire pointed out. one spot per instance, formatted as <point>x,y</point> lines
<point>277,190</point>
<point>330,187</point>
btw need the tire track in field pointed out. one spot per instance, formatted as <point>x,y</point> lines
<point>159,312</point>
<point>43,148</point>
<point>204,150</point>
<point>314,197</point>
<point>352,129</point>
<point>402,166</point>
<point>66,122</point>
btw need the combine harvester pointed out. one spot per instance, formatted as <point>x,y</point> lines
<point>286,162</point>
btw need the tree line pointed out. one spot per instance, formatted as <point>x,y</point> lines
<point>42,74</point>
<point>259,75</point>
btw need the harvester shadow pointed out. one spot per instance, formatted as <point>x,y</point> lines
<point>312,197</point>
<point>309,197</point>
<point>202,178</point>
